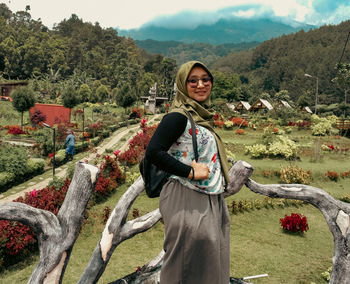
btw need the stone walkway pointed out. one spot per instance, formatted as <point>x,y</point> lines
<point>61,171</point>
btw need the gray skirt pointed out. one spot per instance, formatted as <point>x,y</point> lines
<point>197,236</point>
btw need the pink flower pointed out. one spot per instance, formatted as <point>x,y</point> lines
<point>33,193</point>
<point>116,152</point>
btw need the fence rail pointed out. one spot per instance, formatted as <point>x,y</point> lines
<point>343,124</point>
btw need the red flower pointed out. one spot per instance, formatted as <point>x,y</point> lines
<point>116,152</point>
<point>190,131</point>
<point>214,158</point>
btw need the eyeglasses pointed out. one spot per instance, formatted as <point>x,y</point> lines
<point>195,81</point>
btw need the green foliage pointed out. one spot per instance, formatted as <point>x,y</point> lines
<point>125,96</point>
<point>70,97</point>
<point>84,93</point>
<point>321,126</point>
<point>13,159</point>
<point>6,179</point>
<point>23,100</point>
<point>35,166</point>
<point>102,93</point>
<point>280,147</point>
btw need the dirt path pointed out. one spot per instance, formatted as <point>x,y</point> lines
<point>61,171</point>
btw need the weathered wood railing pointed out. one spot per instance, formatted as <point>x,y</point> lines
<point>57,234</point>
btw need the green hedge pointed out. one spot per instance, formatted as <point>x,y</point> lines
<point>6,180</point>
<point>35,166</point>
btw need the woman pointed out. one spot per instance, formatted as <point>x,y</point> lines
<point>195,215</point>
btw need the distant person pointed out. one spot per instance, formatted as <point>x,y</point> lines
<point>70,142</point>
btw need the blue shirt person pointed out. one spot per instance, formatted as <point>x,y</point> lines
<point>70,142</point>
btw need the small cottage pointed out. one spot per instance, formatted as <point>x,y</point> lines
<point>261,104</point>
<point>242,106</point>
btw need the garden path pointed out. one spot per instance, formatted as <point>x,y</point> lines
<point>61,171</point>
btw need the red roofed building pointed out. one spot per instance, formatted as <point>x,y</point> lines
<point>55,114</point>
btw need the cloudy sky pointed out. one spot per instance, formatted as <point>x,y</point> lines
<point>126,14</point>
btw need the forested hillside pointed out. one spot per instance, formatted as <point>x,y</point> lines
<point>183,52</point>
<point>102,66</point>
<point>28,49</point>
<point>281,63</point>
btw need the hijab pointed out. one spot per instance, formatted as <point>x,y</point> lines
<point>200,111</point>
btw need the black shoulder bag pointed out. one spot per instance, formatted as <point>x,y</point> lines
<point>153,177</point>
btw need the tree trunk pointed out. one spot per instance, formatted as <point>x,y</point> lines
<point>56,234</point>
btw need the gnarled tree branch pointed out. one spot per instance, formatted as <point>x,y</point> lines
<point>56,234</point>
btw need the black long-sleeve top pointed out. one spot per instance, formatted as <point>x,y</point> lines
<point>168,131</point>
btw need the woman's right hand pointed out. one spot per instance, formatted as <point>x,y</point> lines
<point>201,171</point>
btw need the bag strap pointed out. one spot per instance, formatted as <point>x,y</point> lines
<point>194,139</point>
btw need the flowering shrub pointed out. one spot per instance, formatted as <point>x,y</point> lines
<point>218,120</point>
<point>294,223</point>
<point>109,178</point>
<point>295,174</point>
<point>136,112</point>
<point>238,121</point>
<point>16,239</point>
<point>345,174</point>
<point>138,145</point>
<point>94,128</point>
<point>240,131</point>
<point>15,130</point>
<point>334,176</point>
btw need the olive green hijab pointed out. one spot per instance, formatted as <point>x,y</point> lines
<point>200,111</point>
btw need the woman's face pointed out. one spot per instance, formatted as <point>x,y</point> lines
<point>199,84</point>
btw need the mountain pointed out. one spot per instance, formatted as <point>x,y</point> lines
<point>232,30</point>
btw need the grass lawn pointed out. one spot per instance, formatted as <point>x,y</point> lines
<point>258,243</point>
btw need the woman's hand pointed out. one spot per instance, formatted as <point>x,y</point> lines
<point>201,171</point>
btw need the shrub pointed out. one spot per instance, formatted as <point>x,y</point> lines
<point>332,175</point>
<point>238,121</point>
<point>345,174</point>
<point>257,150</point>
<point>35,166</point>
<point>294,223</point>
<point>37,117</point>
<point>16,239</point>
<point>15,130</point>
<point>228,124</point>
<point>295,174</point>
<point>6,179</point>
<point>13,159</point>
<point>283,147</point>
<point>59,157</point>
<point>345,198</point>
<point>137,145</point>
